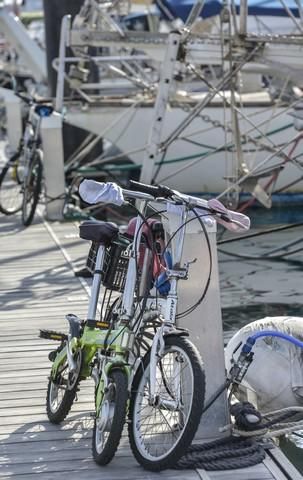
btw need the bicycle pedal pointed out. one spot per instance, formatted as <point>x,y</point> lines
<point>52,335</point>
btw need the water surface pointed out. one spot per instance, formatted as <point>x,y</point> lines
<point>252,289</point>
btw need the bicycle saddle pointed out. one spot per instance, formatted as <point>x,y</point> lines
<point>97,231</point>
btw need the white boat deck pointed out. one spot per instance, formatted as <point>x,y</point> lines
<point>37,289</point>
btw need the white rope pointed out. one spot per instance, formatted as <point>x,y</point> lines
<point>281,428</point>
<point>270,433</point>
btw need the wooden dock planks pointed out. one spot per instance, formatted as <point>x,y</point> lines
<point>37,289</point>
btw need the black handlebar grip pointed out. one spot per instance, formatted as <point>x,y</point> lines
<point>24,97</point>
<point>154,190</point>
<point>143,188</point>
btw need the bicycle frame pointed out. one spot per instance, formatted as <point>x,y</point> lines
<point>168,326</point>
<point>93,341</point>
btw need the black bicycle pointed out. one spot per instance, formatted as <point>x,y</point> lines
<point>22,176</point>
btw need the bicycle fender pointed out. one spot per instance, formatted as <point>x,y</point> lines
<point>119,366</point>
<point>179,332</point>
<point>99,395</point>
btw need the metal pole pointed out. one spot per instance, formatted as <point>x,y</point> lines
<point>65,27</point>
<point>243,17</point>
<point>194,14</point>
<point>166,76</point>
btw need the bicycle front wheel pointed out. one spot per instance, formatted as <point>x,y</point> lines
<point>10,187</point>
<point>160,431</point>
<point>32,188</point>
<point>110,420</point>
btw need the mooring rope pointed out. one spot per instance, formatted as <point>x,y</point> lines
<point>262,232</point>
<point>223,454</point>
<point>244,447</point>
<point>271,255</point>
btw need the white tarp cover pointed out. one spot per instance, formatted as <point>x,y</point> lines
<point>275,376</point>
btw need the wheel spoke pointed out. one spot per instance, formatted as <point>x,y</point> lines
<point>62,390</point>
<point>10,189</point>
<point>159,427</point>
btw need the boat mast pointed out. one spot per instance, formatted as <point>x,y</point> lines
<point>152,152</point>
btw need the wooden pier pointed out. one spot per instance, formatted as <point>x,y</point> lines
<point>37,289</point>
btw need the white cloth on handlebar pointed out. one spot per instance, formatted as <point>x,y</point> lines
<point>238,222</point>
<point>235,221</point>
<point>203,214</point>
<point>97,192</point>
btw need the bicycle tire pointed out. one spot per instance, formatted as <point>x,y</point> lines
<point>32,188</point>
<point>57,411</point>
<point>10,187</point>
<point>181,430</point>
<point>104,449</point>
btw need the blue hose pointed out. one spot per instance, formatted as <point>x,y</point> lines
<point>269,333</point>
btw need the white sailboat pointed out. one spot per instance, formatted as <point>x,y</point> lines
<point>208,113</point>
<point>201,134</point>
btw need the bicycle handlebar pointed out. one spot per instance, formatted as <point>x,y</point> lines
<point>157,191</point>
<point>26,98</point>
<point>96,192</point>
<point>29,99</point>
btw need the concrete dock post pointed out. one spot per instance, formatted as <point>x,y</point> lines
<point>205,322</point>
<point>53,163</point>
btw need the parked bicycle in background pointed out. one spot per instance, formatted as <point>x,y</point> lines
<point>21,179</point>
<point>144,366</point>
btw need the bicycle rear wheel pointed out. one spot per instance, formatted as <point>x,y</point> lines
<point>111,418</point>
<point>32,188</point>
<point>11,187</point>
<point>160,433</point>
<point>62,390</point>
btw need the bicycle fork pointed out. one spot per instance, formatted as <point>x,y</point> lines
<point>157,352</point>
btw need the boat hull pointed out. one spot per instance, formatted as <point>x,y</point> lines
<point>204,158</point>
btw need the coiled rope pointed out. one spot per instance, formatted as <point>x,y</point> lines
<point>242,450</point>
<point>223,454</point>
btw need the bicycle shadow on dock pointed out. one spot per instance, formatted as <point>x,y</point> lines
<point>9,228</point>
<point>37,272</point>
<point>54,450</point>
<point>48,284</point>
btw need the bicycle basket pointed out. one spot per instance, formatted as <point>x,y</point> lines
<point>115,263</point>
<point>92,255</point>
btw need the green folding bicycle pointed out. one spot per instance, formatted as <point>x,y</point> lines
<point>144,366</point>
